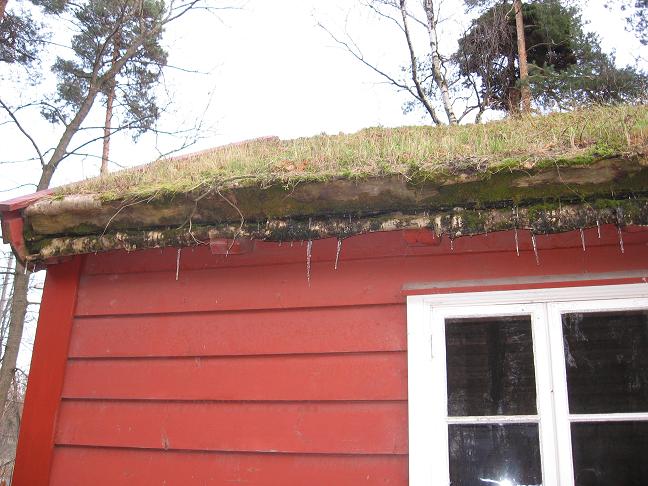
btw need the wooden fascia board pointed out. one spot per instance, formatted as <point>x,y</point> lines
<point>13,223</point>
<point>21,202</point>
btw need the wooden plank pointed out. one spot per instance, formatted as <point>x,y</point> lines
<point>360,282</point>
<point>377,376</point>
<point>75,466</point>
<point>344,428</point>
<point>341,329</point>
<point>36,439</point>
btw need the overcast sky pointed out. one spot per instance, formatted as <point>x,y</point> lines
<point>268,70</point>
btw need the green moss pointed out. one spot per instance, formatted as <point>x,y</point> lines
<point>537,211</point>
<point>472,221</point>
<point>85,229</point>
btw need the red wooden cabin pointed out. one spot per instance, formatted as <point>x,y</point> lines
<point>242,361</point>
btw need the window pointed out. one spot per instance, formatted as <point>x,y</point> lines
<point>537,387</point>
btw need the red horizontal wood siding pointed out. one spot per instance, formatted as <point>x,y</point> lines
<point>367,376</point>
<point>81,466</point>
<point>242,372</point>
<point>344,428</point>
<point>330,330</point>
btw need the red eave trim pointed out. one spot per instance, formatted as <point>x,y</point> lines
<point>12,221</point>
<point>21,202</point>
<point>12,233</point>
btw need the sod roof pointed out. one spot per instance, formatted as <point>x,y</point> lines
<point>544,173</point>
<point>415,153</point>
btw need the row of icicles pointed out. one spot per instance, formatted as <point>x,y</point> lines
<point>309,249</point>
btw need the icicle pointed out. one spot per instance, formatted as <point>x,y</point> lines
<point>291,244</point>
<point>178,264</point>
<point>517,245</point>
<point>337,253</point>
<point>309,254</point>
<point>535,249</point>
<point>451,244</point>
<point>25,269</point>
<point>598,228</point>
<point>280,242</point>
<point>621,239</point>
<point>582,233</point>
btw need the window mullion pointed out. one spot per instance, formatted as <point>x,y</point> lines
<point>542,357</point>
<point>441,460</point>
<point>560,395</point>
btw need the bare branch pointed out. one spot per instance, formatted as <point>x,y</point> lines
<point>420,96</point>
<point>18,187</point>
<point>23,131</point>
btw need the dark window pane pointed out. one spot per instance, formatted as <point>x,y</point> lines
<point>608,454</point>
<point>490,366</point>
<point>606,355</point>
<point>488,455</point>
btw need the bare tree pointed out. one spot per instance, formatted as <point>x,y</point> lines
<point>426,70</point>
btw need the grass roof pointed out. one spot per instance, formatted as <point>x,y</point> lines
<point>575,138</point>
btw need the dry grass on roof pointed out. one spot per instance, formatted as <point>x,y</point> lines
<point>576,137</point>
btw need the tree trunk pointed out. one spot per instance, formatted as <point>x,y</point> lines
<point>522,58</point>
<point>64,142</point>
<point>5,284</point>
<point>4,298</point>
<point>513,90</point>
<point>422,97</point>
<point>105,155</point>
<point>437,68</point>
<point>16,324</point>
<point>3,7</point>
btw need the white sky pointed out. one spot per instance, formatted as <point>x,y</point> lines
<point>271,71</point>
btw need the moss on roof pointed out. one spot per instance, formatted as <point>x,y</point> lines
<point>416,153</point>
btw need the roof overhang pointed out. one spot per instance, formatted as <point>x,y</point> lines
<point>44,227</point>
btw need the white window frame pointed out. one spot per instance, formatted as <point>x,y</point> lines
<point>427,395</point>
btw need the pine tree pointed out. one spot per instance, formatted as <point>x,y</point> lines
<point>566,66</point>
<point>117,54</point>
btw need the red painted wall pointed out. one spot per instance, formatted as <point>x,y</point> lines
<point>241,372</point>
